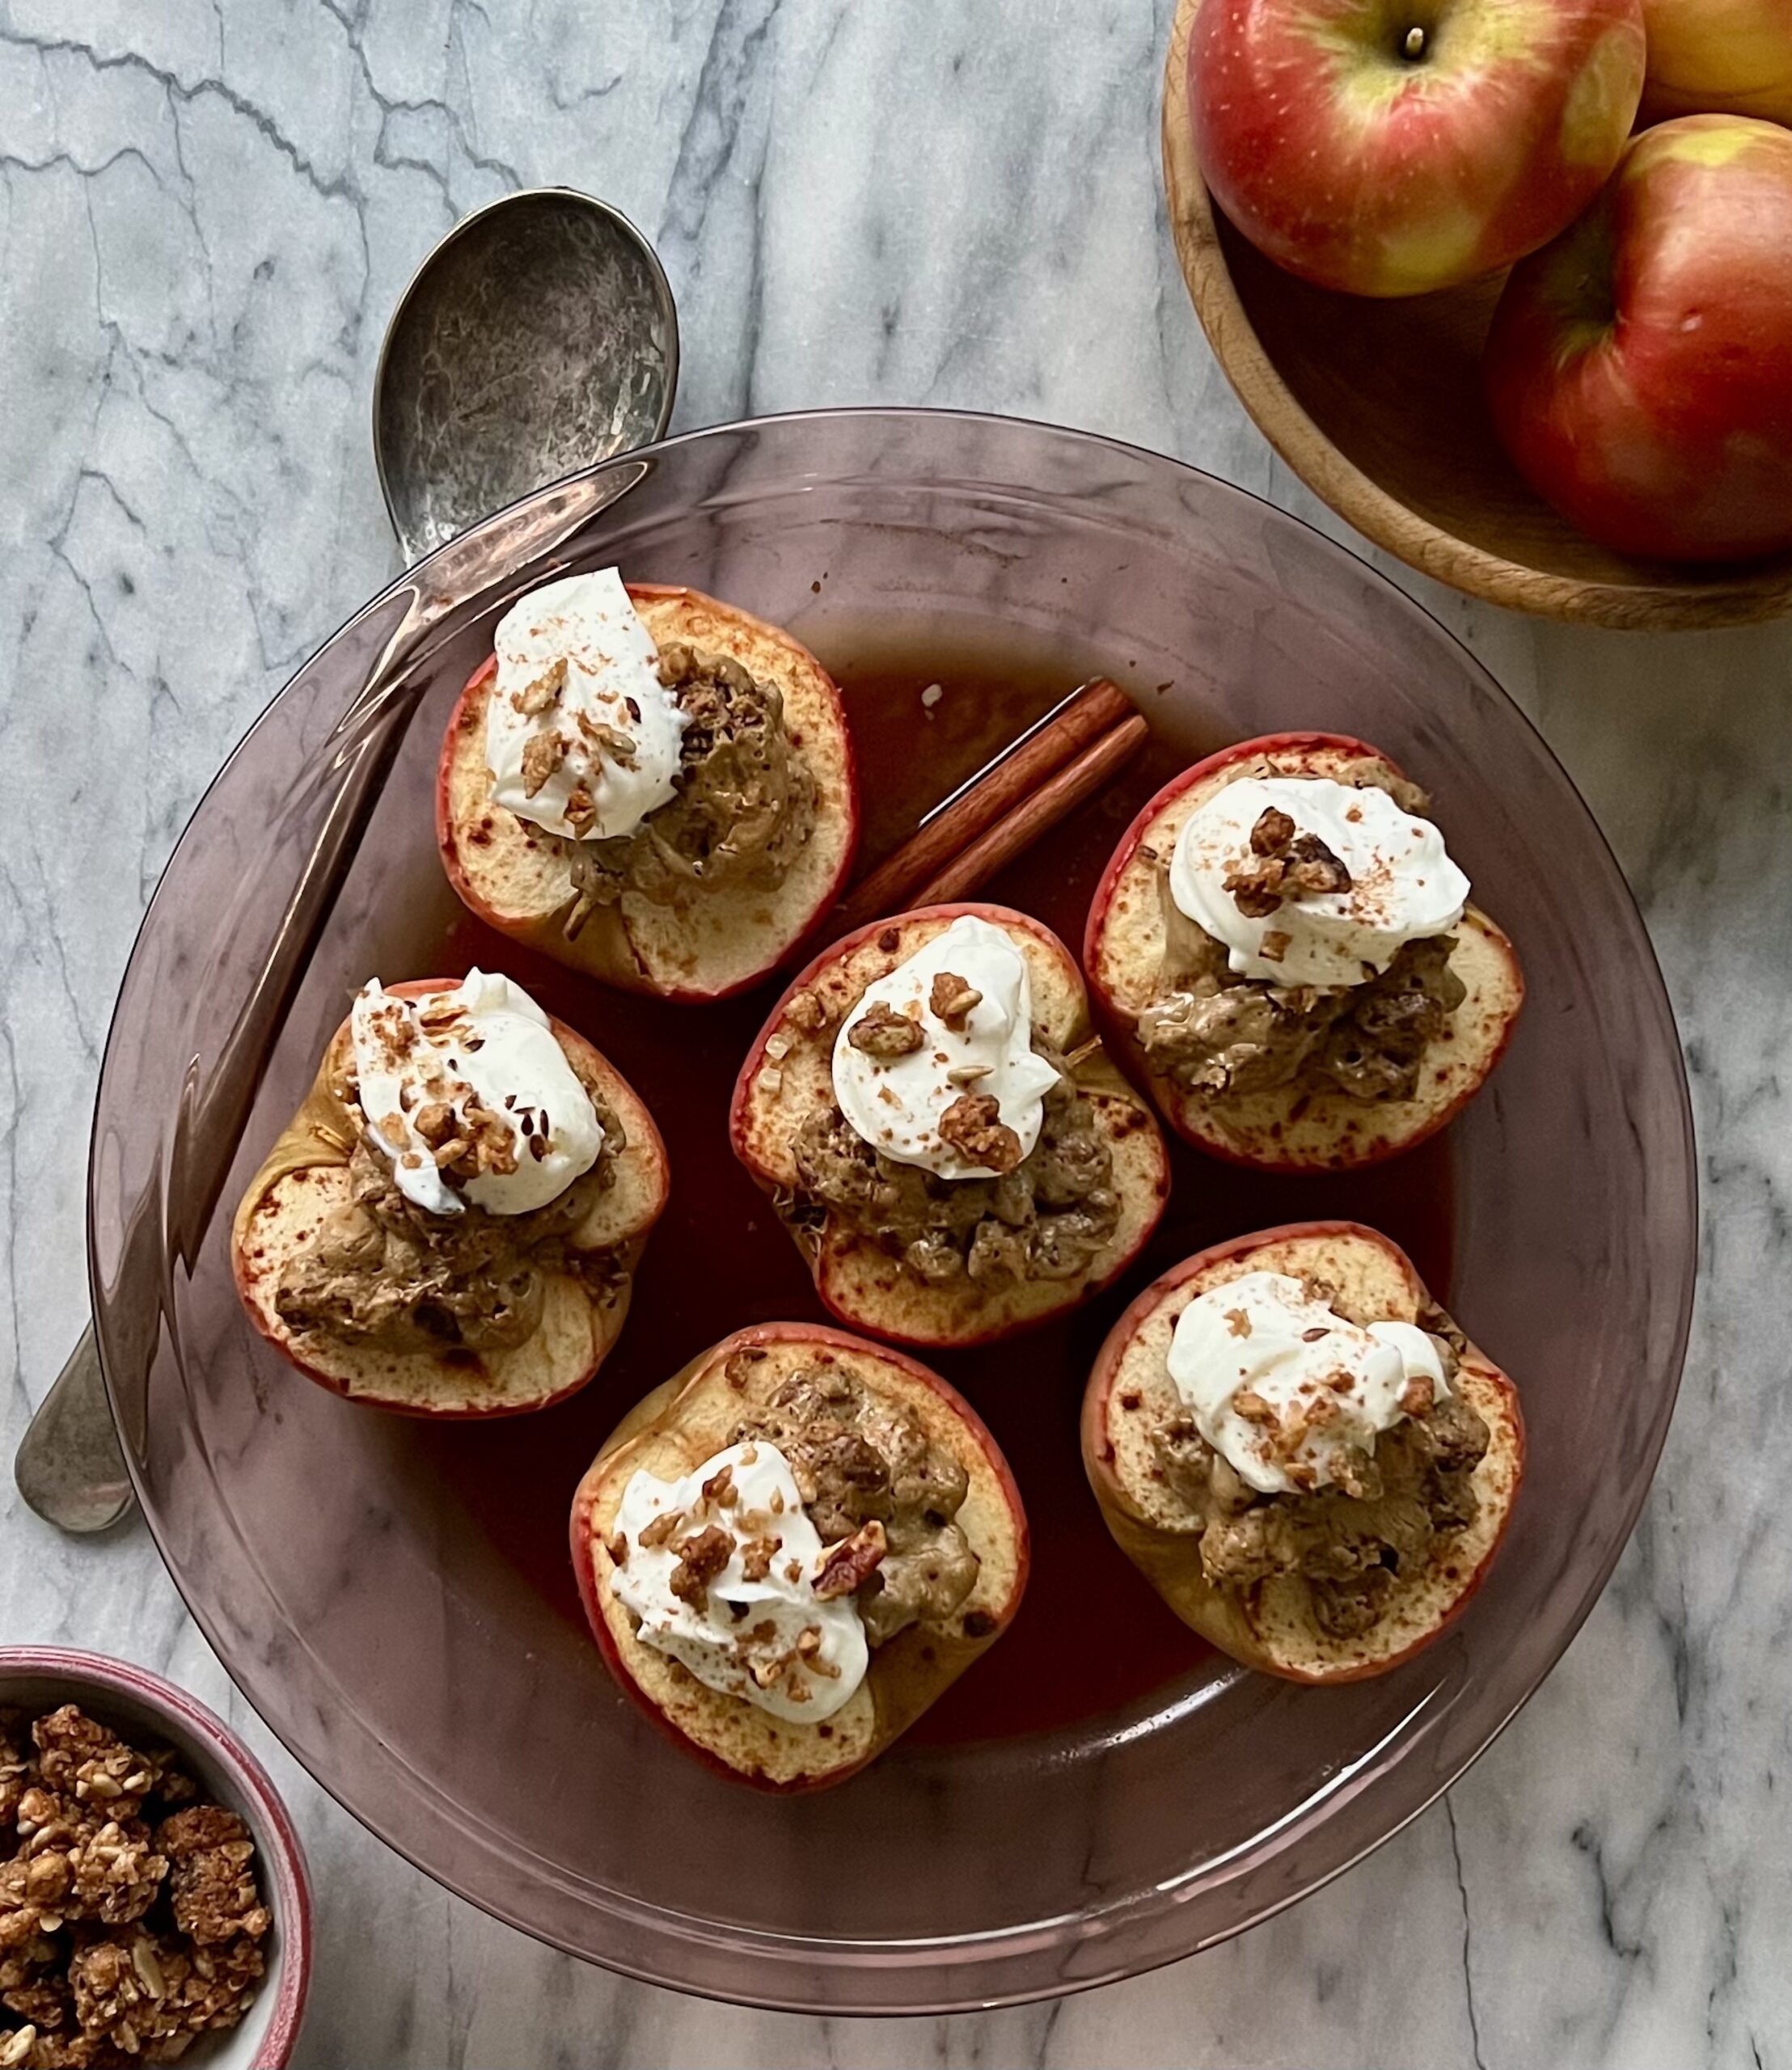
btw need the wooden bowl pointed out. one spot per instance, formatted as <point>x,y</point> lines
<point>1377,405</point>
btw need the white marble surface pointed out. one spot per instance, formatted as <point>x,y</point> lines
<point>210,208</point>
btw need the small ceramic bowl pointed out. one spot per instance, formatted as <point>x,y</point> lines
<point>1377,407</point>
<point>131,1701</point>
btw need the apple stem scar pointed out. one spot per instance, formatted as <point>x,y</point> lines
<point>1414,47</point>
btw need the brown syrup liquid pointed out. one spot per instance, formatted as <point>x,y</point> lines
<point>1091,1638</point>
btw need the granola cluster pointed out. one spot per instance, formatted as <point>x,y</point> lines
<point>129,1918</point>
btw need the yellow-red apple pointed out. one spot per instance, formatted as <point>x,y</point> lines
<point>1388,147</point>
<point>1719,57</point>
<point>1640,369</point>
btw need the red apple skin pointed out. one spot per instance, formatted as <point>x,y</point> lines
<point>1360,169</point>
<point>1718,57</point>
<point>1640,369</point>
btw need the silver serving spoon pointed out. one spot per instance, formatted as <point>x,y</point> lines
<point>538,337</point>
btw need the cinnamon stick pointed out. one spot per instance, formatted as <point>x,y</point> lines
<point>1055,799</point>
<point>1084,718</point>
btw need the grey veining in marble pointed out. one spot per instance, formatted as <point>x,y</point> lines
<point>209,209</point>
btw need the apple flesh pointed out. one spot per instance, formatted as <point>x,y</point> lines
<point>1284,1128</point>
<point>1270,1626</point>
<point>691,1417</point>
<point>305,1175</point>
<point>709,942</point>
<point>788,1075</point>
<point>1640,369</point>
<point>1719,57</point>
<point>1392,147</point>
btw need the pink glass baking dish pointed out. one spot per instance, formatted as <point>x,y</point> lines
<point>395,1600</point>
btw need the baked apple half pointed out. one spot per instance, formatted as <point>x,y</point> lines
<point>1301,1452</point>
<point>791,1549</point>
<point>650,786</point>
<point>941,1132</point>
<point>1287,952</point>
<point>450,1224</point>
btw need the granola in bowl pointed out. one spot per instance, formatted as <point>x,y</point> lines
<point>132,1917</point>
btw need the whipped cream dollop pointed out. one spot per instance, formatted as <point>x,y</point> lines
<point>896,1092</point>
<point>581,737</point>
<point>1289,1392</point>
<point>1402,885</point>
<point>749,1624</point>
<point>471,1080</point>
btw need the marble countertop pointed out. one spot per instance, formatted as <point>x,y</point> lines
<point>209,211</point>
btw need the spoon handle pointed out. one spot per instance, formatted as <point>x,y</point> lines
<point>69,1467</point>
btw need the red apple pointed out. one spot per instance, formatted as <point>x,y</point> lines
<point>1388,147</point>
<point>1640,369</point>
<point>306,1174</point>
<point>710,941</point>
<point>1271,1625</point>
<point>1719,57</point>
<point>690,1418</point>
<point>787,1076</point>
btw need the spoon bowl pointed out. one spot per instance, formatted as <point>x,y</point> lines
<point>538,337</point>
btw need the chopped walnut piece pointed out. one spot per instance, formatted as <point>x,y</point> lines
<point>974,1127</point>
<point>210,1888</point>
<point>953,1000</point>
<point>1238,1322</point>
<point>757,1555</point>
<point>537,695</point>
<point>579,811</point>
<point>1315,867</point>
<point>1272,833</point>
<point>661,1529</point>
<point>1249,1405</point>
<point>847,1567</point>
<point>543,754</point>
<point>700,1560</point>
<point>1416,1395</point>
<point>1275,945</point>
<point>881,1032</point>
<point>1282,864</point>
<point>720,1489</point>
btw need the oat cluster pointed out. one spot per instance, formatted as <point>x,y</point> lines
<point>129,1918</point>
